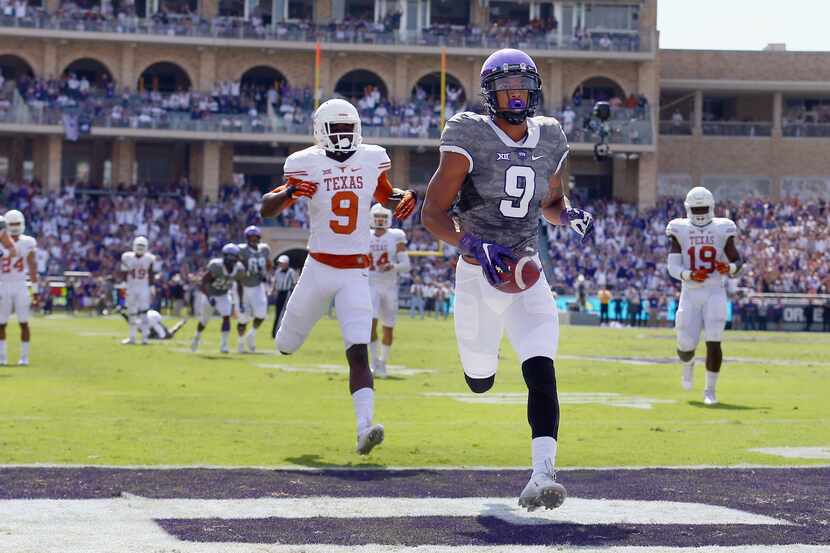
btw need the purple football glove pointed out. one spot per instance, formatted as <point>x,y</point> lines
<point>580,221</point>
<point>491,257</point>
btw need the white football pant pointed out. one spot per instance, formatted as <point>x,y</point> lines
<point>385,303</point>
<point>482,313</point>
<point>14,297</point>
<point>318,284</point>
<point>255,302</point>
<point>699,309</point>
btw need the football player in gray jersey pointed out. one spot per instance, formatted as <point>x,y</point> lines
<point>256,258</point>
<point>220,275</point>
<point>497,174</point>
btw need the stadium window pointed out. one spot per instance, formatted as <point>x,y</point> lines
<point>28,170</point>
<point>231,8</point>
<point>612,17</point>
<point>360,10</point>
<point>182,7</point>
<point>301,9</point>
<point>449,12</point>
<point>509,14</point>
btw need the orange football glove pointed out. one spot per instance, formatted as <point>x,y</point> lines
<point>299,187</point>
<point>722,268</point>
<point>406,205</point>
<point>700,275</point>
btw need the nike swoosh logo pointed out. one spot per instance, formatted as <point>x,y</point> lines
<point>355,170</point>
<point>534,158</point>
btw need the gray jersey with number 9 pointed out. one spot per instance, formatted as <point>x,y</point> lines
<point>500,201</point>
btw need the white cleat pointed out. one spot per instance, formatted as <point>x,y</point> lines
<point>24,362</point>
<point>687,378</point>
<point>709,397</point>
<point>543,491</point>
<point>128,342</point>
<point>3,361</point>
<point>194,344</point>
<point>251,339</point>
<point>369,438</point>
<point>240,347</point>
<point>380,369</point>
<point>224,349</point>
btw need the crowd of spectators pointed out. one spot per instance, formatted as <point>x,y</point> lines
<point>87,230</point>
<point>177,19</point>
<point>784,243</point>
<point>255,107</point>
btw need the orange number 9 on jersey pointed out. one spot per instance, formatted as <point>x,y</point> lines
<point>344,204</point>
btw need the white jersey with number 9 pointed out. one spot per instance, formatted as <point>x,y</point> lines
<point>339,210</point>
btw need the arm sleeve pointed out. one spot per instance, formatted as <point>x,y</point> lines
<point>454,138</point>
<point>123,265</point>
<point>675,267</point>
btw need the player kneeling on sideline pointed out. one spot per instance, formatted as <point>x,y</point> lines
<point>17,262</point>
<point>256,258</point>
<point>702,256</point>
<point>388,258</point>
<point>216,285</point>
<point>158,330</point>
<point>339,176</point>
<point>138,274</point>
<point>500,172</point>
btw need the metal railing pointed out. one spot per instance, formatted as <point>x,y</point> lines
<point>671,127</point>
<point>729,128</point>
<point>806,130</point>
<point>236,28</point>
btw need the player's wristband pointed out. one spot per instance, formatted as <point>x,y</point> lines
<point>35,288</point>
<point>686,275</point>
<point>734,269</point>
<point>289,191</point>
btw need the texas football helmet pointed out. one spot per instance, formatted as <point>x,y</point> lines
<point>699,197</point>
<point>510,70</point>
<point>381,217</point>
<point>335,112</point>
<point>140,245</point>
<point>15,222</point>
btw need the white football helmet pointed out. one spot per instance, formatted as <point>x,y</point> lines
<point>381,217</point>
<point>15,222</point>
<point>140,245</point>
<point>700,197</point>
<point>330,113</point>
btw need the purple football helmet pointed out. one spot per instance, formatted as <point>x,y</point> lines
<point>252,232</point>
<point>507,70</point>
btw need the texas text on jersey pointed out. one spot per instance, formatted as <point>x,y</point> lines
<point>702,247</point>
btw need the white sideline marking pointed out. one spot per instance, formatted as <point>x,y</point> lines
<point>625,360</point>
<point>107,334</point>
<point>127,523</point>
<point>324,368</point>
<point>796,452</point>
<point>568,398</point>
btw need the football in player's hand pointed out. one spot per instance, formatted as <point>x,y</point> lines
<point>522,275</point>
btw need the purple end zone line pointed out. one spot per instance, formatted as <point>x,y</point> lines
<point>798,495</point>
<point>481,530</point>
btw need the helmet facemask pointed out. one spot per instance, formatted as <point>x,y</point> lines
<point>512,93</point>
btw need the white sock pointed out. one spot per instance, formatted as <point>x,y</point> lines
<point>3,353</point>
<point>132,331</point>
<point>373,348</point>
<point>364,405</point>
<point>542,449</point>
<point>711,380</point>
<point>24,350</point>
<point>224,339</point>
<point>384,352</point>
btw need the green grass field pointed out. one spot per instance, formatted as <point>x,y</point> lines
<point>88,400</point>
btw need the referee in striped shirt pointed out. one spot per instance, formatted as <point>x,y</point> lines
<point>285,278</point>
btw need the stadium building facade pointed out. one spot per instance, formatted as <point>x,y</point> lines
<point>687,117</point>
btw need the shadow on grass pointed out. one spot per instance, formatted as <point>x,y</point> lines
<point>726,406</point>
<point>312,460</point>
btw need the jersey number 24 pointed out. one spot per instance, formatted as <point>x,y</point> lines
<point>519,185</point>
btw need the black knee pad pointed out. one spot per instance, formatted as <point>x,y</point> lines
<point>542,398</point>
<point>480,385</point>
